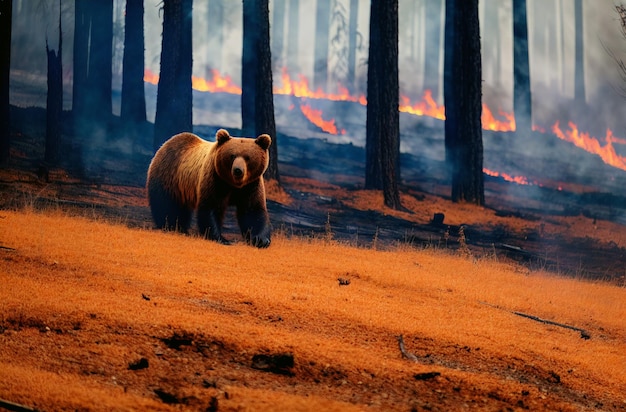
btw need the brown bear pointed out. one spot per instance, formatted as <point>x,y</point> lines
<point>188,173</point>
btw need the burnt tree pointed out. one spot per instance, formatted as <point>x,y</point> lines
<point>354,43</point>
<point>463,103</point>
<point>54,102</point>
<point>257,99</point>
<point>293,27</point>
<point>133,106</point>
<point>215,42</point>
<point>174,97</point>
<point>432,10</point>
<point>82,23</point>
<point>522,101</point>
<point>579,70</point>
<point>382,146</point>
<point>5,66</point>
<point>100,66</point>
<point>278,33</point>
<point>322,34</point>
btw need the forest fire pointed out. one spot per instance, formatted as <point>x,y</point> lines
<point>427,106</point>
<point>592,145</point>
<point>520,180</point>
<point>219,83</point>
<point>315,117</point>
<point>489,122</point>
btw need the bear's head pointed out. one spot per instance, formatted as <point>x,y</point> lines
<point>240,160</point>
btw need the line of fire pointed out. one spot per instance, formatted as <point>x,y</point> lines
<point>426,106</point>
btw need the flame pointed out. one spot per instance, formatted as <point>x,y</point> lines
<point>520,180</point>
<point>219,83</point>
<point>315,117</point>
<point>489,122</point>
<point>300,88</point>
<point>591,144</point>
<point>150,77</point>
<point>426,107</point>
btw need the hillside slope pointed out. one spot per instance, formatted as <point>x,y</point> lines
<point>97,316</point>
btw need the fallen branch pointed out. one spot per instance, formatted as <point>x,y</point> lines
<point>12,406</point>
<point>403,350</point>
<point>583,333</point>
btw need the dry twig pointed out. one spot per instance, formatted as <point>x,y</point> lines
<point>583,333</point>
<point>403,350</point>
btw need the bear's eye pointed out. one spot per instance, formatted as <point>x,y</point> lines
<point>232,157</point>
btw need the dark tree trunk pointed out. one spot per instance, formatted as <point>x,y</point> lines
<point>215,21</point>
<point>174,98</point>
<point>292,35</point>
<point>5,66</point>
<point>522,102</point>
<point>100,69</point>
<point>382,166</point>
<point>579,75</point>
<point>54,104</point>
<point>353,44</point>
<point>82,24</point>
<point>322,32</point>
<point>257,100</point>
<point>431,65</point>
<point>133,110</point>
<point>462,95</point>
<point>278,33</point>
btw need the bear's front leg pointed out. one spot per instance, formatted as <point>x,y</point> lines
<point>255,226</point>
<point>210,224</point>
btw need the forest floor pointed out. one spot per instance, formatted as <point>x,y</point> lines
<point>499,307</point>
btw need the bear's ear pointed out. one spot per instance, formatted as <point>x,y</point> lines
<point>264,141</point>
<point>222,136</point>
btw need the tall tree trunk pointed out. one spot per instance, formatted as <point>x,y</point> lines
<point>353,44</point>
<point>257,100</point>
<point>433,28</point>
<point>579,75</point>
<point>54,103</point>
<point>100,68</point>
<point>293,64</point>
<point>215,21</point>
<point>174,98</point>
<point>5,67</point>
<point>82,24</point>
<point>278,33</point>
<point>382,163</point>
<point>322,29</point>
<point>133,109</point>
<point>462,95</point>
<point>522,101</point>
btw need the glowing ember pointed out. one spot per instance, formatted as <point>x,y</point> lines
<point>591,144</point>
<point>315,117</point>
<point>520,180</point>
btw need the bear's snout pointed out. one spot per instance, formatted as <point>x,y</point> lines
<point>239,168</point>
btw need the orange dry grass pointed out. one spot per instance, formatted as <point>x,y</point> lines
<point>81,300</point>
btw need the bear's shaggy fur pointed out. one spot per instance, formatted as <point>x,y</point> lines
<point>188,173</point>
